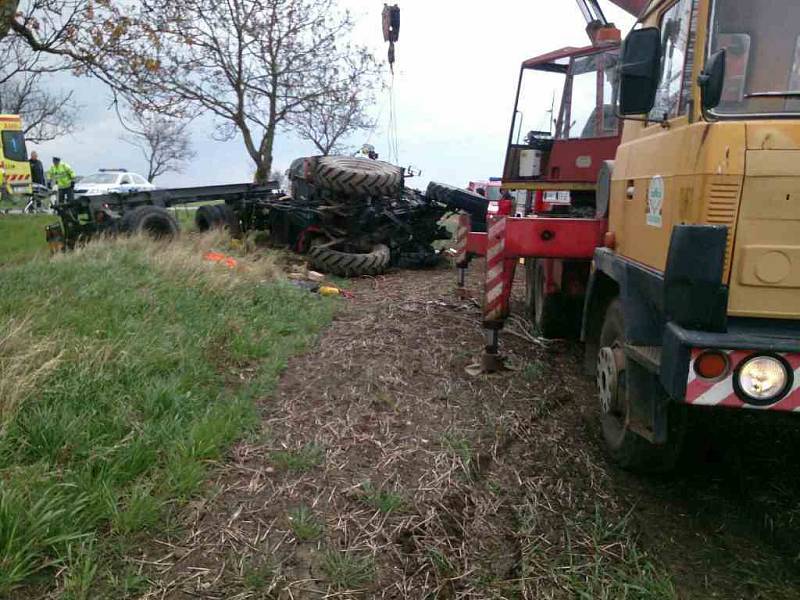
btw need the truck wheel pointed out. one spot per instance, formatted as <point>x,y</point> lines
<point>207,218</point>
<point>358,176</point>
<point>457,199</point>
<point>616,391</point>
<point>349,264</point>
<point>155,221</point>
<point>554,314</point>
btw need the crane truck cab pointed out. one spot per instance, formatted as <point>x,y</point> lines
<point>558,164</point>
<point>694,300</point>
<point>15,170</point>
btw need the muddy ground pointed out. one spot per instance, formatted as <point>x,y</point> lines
<point>383,470</point>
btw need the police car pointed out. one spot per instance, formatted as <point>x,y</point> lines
<point>106,181</point>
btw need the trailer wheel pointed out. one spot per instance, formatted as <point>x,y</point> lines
<point>229,219</point>
<point>215,216</point>
<point>207,218</point>
<point>554,315</point>
<point>358,176</point>
<point>619,381</point>
<point>156,221</point>
<point>349,264</point>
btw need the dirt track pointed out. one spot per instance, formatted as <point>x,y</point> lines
<point>421,481</point>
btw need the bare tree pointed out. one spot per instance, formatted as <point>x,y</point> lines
<point>252,64</point>
<point>165,142</point>
<point>342,108</point>
<point>84,36</point>
<point>24,90</point>
<point>45,115</point>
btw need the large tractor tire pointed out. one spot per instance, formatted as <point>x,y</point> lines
<point>207,218</point>
<point>620,382</point>
<point>464,200</point>
<point>217,216</point>
<point>155,221</point>
<point>358,176</point>
<point>554,314</point>
<point>349,264</point>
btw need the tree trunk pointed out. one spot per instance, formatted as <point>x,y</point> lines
<point>264,161</point>
<point>8,10</point>
<point>262,173</point>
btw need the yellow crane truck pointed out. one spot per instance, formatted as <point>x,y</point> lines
<point>692,292</point>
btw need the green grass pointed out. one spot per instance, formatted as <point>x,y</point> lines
<point>382,500</point>
<point>304,524</point>
<point>22,237</point>
<point>601,560</point>
<point>259,576</point>
<point>348,570</point>
<point>121,377</point>
<point>457,445</point>
<point>299,460</point>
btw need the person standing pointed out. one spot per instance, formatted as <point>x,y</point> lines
<point>37,169</point>
<point>37,178</point>
<point>64,177</point>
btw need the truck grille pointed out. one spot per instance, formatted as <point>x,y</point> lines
<point>722,208</point>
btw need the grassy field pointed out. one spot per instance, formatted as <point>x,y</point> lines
<point>22,236</point>
<point>125,368</point>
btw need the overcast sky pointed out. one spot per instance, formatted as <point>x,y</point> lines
<point>456,75</point>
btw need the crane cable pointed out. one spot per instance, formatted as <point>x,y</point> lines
<point>394,140</point>
<point>391,34</point>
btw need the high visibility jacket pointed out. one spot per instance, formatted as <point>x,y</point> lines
<point>62,174</point>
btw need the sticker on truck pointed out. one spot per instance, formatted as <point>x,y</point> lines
<point>655,201</point>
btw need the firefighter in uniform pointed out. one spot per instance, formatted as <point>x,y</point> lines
<point>64,177</point>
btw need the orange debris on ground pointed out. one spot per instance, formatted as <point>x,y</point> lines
<point>228,261</point>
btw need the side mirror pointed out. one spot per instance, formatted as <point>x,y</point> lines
<point>640,71</point>
<point>712,80</point>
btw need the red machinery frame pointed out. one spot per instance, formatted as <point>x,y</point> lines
<point>572,165</point>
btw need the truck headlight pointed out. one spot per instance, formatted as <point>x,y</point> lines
<point>763,379</point>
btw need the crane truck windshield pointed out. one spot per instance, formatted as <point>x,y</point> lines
<point>762,43</point>
<point>569,99</point>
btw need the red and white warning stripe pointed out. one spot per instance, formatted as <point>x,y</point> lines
<point>11,177</point>
<point>462,234</point>
<point>702,392</point>
<point>495,276</point>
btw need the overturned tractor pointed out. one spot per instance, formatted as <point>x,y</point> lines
<point>355,216</point>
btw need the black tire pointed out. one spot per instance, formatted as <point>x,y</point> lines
<point>207,218</point>
<point>155,221</point>
<point>457,199</point>
<point>348,264</point>
<point>421,258</point>
<point>229,219</point>
<point>554,315</point>
<point>358,176</point>
<point>625,447</point>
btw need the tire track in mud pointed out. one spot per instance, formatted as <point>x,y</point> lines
<point>426,482</point>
